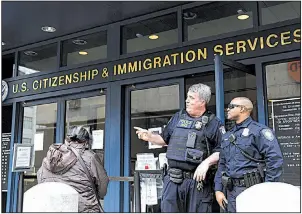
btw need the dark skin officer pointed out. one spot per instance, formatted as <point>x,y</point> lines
<point>256,140</point>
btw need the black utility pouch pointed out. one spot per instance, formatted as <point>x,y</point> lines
<point>176,175</point>
<point>194,156</point>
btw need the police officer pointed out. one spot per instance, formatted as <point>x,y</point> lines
<point>250,154</point>
<point>193,138</point>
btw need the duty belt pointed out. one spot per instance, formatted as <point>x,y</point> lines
<point>239,182</point>
<point>185,174</point>
<point>188,175</point>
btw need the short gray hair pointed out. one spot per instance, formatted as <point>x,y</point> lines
<point>203,91</point>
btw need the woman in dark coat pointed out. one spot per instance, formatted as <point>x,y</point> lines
<point>62,165</point>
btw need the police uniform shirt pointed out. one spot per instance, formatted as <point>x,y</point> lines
<point>256,140</point>
<point>213,134</point>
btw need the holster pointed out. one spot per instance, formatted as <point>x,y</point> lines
<point>176,175</point>
<point>227,182</point>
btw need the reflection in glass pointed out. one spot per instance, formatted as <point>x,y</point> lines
<point>84,49</point>
<point>217,18</point>
<point>41,59</point>
<point>88,112</point>
<point>148,34</point>
<point>39,128</point>
<point>274,11</point>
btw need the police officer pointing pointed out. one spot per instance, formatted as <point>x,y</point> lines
<point>250,154</point>
<point>193,138</point>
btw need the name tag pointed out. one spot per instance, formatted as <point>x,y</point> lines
<point>185,124</point>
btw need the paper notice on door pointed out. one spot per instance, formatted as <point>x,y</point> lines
<point>151,191</point>
<point>38,141</point>
<point>97,139</point>
<point>23,157</point>
<point>156,130</point>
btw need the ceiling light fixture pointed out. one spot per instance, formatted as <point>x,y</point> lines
<point>3,43</point>
<point>153,36</point>
<point>83,53</point>
<point>30,53</point>
<point>48,29</point>
<point>189,15</point>
<point>79,42</point>
<point>242,15</point>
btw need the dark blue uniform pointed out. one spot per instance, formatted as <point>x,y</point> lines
<point>184,197</point>
<point>259,142</point>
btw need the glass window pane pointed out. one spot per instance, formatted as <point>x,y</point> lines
<point>41,59</point>
<point>151,33</point>
<point>8,65</point>
<point>273,12</point>
<point>84,49</point>
<point>284,110</point>
<point>151,109</point>
<point>39,128</point>
<point>89,112</point>
<point>217,18</point>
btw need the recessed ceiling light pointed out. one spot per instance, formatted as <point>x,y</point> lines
<point>3,43</point>
<point>189,15</point>
<point>153,36</point>
<point>83,53</point>
<point>138,35</point>
<point>242,15</point>
<point>79,42</point>
<point>48,29</point>
<point>30,53</point>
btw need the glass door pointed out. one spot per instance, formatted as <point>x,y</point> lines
<point>149,106</point>
<point>39,128</point>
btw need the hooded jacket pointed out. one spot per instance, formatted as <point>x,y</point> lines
<point>61,165</point>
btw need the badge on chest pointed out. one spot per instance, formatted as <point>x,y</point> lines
<point>185,123</point>
<point>245,132</point>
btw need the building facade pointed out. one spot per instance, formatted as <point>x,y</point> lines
<point>136,73</point>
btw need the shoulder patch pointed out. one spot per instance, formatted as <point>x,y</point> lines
<point>222,130</point>
<point>267,134</point>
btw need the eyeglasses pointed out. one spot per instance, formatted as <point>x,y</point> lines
<point>231,106</point>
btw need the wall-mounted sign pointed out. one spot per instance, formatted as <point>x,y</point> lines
<point>5,152</point>
<point>286,123</point>
<point>23,158</point>
<point>250,45</point>
<point>294,70</point>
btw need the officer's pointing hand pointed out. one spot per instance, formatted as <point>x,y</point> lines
<point>201,171</point>
<point>220,197</point>
<point>143,134</point>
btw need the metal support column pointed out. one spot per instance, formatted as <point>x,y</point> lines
<point>219,88</point>
<point>14,177</point>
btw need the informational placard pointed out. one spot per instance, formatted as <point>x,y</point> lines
<point>286,116</point>
<point>23,158</point>
<point>98,139</point>
<point>157,130</point>
<point>5,152</point>
<point>39,138</point>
